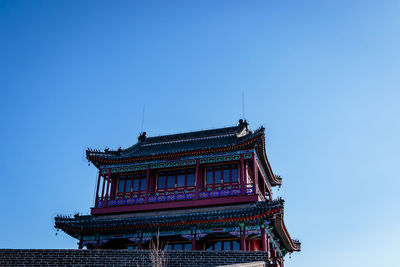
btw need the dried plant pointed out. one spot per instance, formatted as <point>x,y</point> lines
<point>157,254</point>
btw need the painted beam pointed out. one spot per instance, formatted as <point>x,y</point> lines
<point>177,204</point>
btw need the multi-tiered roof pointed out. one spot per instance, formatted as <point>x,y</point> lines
<point>203,187</point>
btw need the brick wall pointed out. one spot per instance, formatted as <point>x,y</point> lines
<point>72,257</point>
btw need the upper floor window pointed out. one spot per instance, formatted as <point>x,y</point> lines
<point>220,174</point>
<point>132,183</point>
<point>176,179</point>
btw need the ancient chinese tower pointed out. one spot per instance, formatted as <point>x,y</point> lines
<point>204,190</point>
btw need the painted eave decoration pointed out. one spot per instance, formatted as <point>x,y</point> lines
<point>189,144</point>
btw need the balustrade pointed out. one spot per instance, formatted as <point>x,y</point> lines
<point>213,191</point>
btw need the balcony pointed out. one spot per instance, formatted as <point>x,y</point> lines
<point>218,194</point>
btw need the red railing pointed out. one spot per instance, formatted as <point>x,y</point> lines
<point>210,191</point>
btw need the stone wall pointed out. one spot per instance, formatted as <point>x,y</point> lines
<point>73,257</point>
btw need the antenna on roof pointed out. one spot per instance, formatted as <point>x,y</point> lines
<point>141,131</point>
<point>243,103</point>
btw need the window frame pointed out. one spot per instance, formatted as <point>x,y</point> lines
<point>178,246</point>
<point>211,244</point>
<point>222,180</point>
<point>119,185</point>
<point>175,173</point>
<point>140,176</point>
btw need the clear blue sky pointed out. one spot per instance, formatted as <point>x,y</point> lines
<point>322,77</point>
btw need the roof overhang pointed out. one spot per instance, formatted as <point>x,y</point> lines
<point>99,158</point>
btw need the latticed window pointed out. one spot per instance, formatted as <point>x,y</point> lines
<point>220,174</point>
<point>176,179</point>
<point>121,184</point>
<point>179,246</point>
<point>132,183</point>
<point>224,245</point>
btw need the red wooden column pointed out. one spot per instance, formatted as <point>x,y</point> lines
<point>194,239</point>
<point>242,176</point>
<point>281,261</point>
<point>103,187</point>
<point>267,242</point>
<point>255,174</point>
<point>140,240</point>
<point>197,179</point>
<point>274,259</point>
<point>243,237</point>
<point>113,187</point>
<point>97,242</point>
<point>263,238</point>
<point>146,197</point>
<point>80,245</point>
<point>264,190</point>
<point>108,185</point>
<point>97,190</point>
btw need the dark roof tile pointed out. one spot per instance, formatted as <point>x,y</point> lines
<point>154,218</point>
<point>184,142</point>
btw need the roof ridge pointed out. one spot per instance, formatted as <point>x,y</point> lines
<point>188,140</point>
<point>219,138</point>
<point>192,132</point>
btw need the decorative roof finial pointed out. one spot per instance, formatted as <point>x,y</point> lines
<point>243,124</point>
<point>142,137</point>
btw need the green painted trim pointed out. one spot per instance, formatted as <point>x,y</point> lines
<point>180,163</point>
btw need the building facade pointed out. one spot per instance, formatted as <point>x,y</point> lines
<point>204,190</point>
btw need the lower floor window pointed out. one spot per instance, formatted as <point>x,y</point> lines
<point>224,245</point>
<point>179,246</point>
